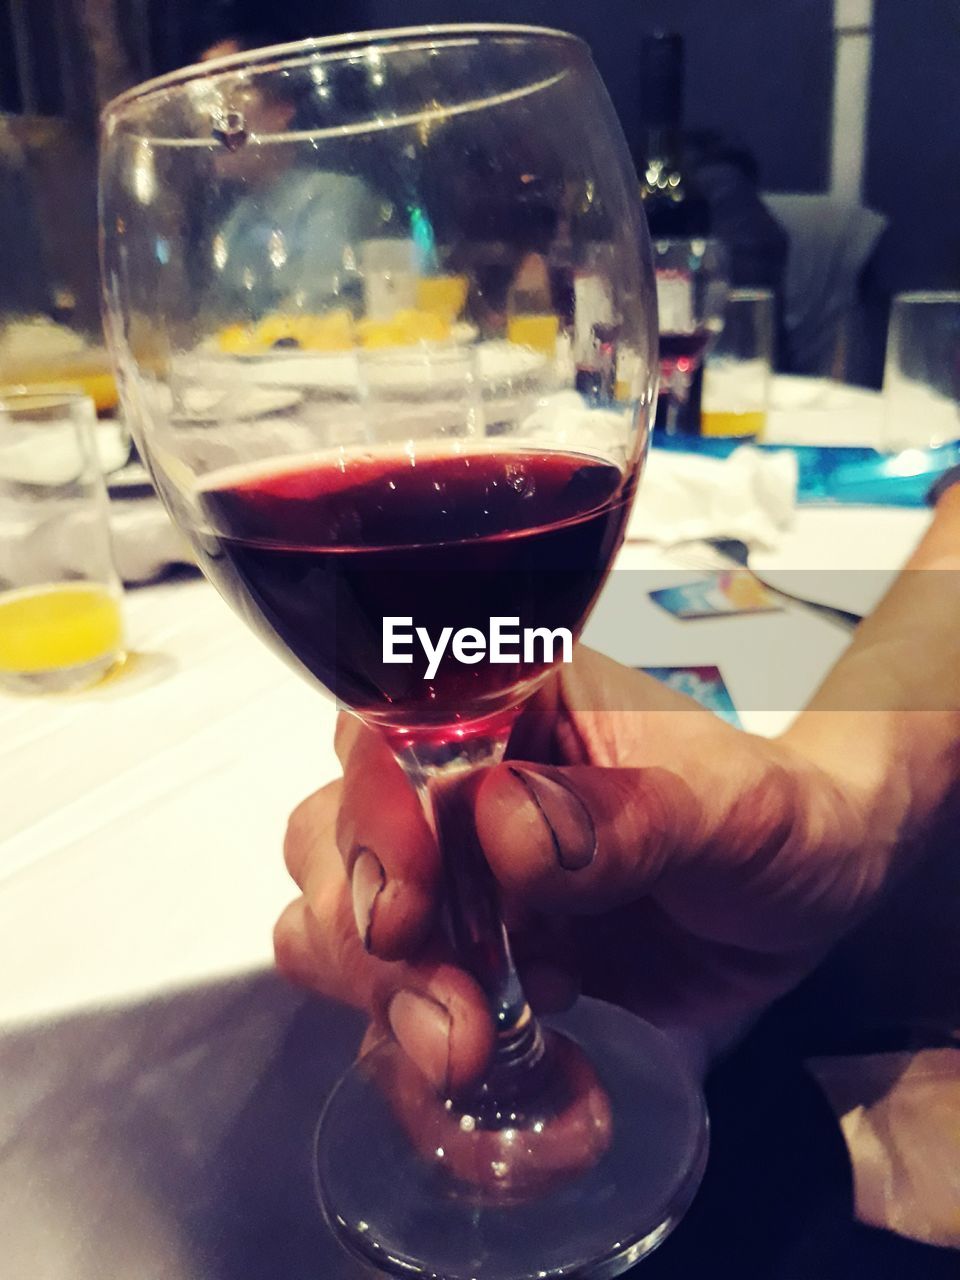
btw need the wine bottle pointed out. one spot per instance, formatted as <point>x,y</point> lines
<point>674,205</point>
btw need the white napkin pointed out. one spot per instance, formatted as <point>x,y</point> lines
<point>749,495</point>
<point>683,496</point>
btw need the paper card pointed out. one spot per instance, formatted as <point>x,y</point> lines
<point>704,684</point>
<point>731,592</point>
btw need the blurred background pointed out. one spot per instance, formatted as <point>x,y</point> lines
<point>822,135</point>
<point>820,141</point>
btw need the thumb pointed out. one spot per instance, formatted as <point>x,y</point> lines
<point>582,839</point>
<point>585,839</point>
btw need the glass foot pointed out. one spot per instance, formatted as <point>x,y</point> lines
<point>581,1179</point>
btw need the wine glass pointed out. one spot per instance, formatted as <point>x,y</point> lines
<point>692,285</point>
<point>363,470</point>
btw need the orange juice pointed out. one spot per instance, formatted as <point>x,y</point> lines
<point>539,332</point>
<point>730,423</point>
<point>443,296</point>
<point>55,627</point>
<point>101,387</point>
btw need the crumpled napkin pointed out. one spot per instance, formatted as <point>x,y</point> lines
<point>751,494</point>
<point>900,1116</point>
<point>684,497</point>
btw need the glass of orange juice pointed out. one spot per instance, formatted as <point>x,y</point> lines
<point>736,377</point>
<point>61,625</point>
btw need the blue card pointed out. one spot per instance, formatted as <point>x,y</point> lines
<point>724,594</point>
<point>704,684</point>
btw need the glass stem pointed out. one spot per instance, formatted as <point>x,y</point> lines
<point>447,778</point>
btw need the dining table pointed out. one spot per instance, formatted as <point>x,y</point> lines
<point>160,1084</point>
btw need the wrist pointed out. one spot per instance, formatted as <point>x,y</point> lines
<point>894,768</point>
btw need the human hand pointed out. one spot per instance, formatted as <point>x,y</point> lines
<point>659,858</point>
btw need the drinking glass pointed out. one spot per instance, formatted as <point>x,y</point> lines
<point>692,283</point>
<point>362,472</point>
<point>921,376</point>
<point>736,376</point>
<point>61,627</point>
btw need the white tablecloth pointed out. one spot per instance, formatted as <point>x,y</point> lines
<point>159,1086</point>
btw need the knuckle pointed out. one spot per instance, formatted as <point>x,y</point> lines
<point>344,736</point>
<point>767,815</point>
<point>327,902</point>
<point>344,831</point>
<point>306,825</point>
<point>288,941</point>
<point>294,836</point>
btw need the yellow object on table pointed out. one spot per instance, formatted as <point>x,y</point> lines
<point>743,590</point>
<point>338,331</point>
<point>38,355</point>
<point>329,331</point>
<point>97,383</point>
<point>539,332</point>
<point>404,329</point>
<point>731,422</point>
<point>443,296</point>
<point>50,628</point>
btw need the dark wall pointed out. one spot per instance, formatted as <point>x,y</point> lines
<point>913,154</point>
<point>760,71</point>
<point>9,88</point>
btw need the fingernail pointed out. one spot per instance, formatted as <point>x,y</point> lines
<point>367,881</point>
<point>422,1027</point>
<point>566,818</point>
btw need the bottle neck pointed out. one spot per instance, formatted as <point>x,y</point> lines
<point>661,112</point>
<point>662,152</point>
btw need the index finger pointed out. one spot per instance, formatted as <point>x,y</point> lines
<point>388,849</point>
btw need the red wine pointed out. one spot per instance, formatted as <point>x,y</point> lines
<point>316,556</point>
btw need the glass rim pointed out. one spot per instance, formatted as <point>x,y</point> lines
<point>928,295</point>
<point>443,33</point>
<point>43,398</point>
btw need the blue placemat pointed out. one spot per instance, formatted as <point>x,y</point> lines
<point>840,476</point>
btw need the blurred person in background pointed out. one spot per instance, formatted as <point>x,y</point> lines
<point>282,243</point>
<point>729,178</point>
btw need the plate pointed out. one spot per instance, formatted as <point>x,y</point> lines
<point>405,371</point>
<point>200,404</point>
